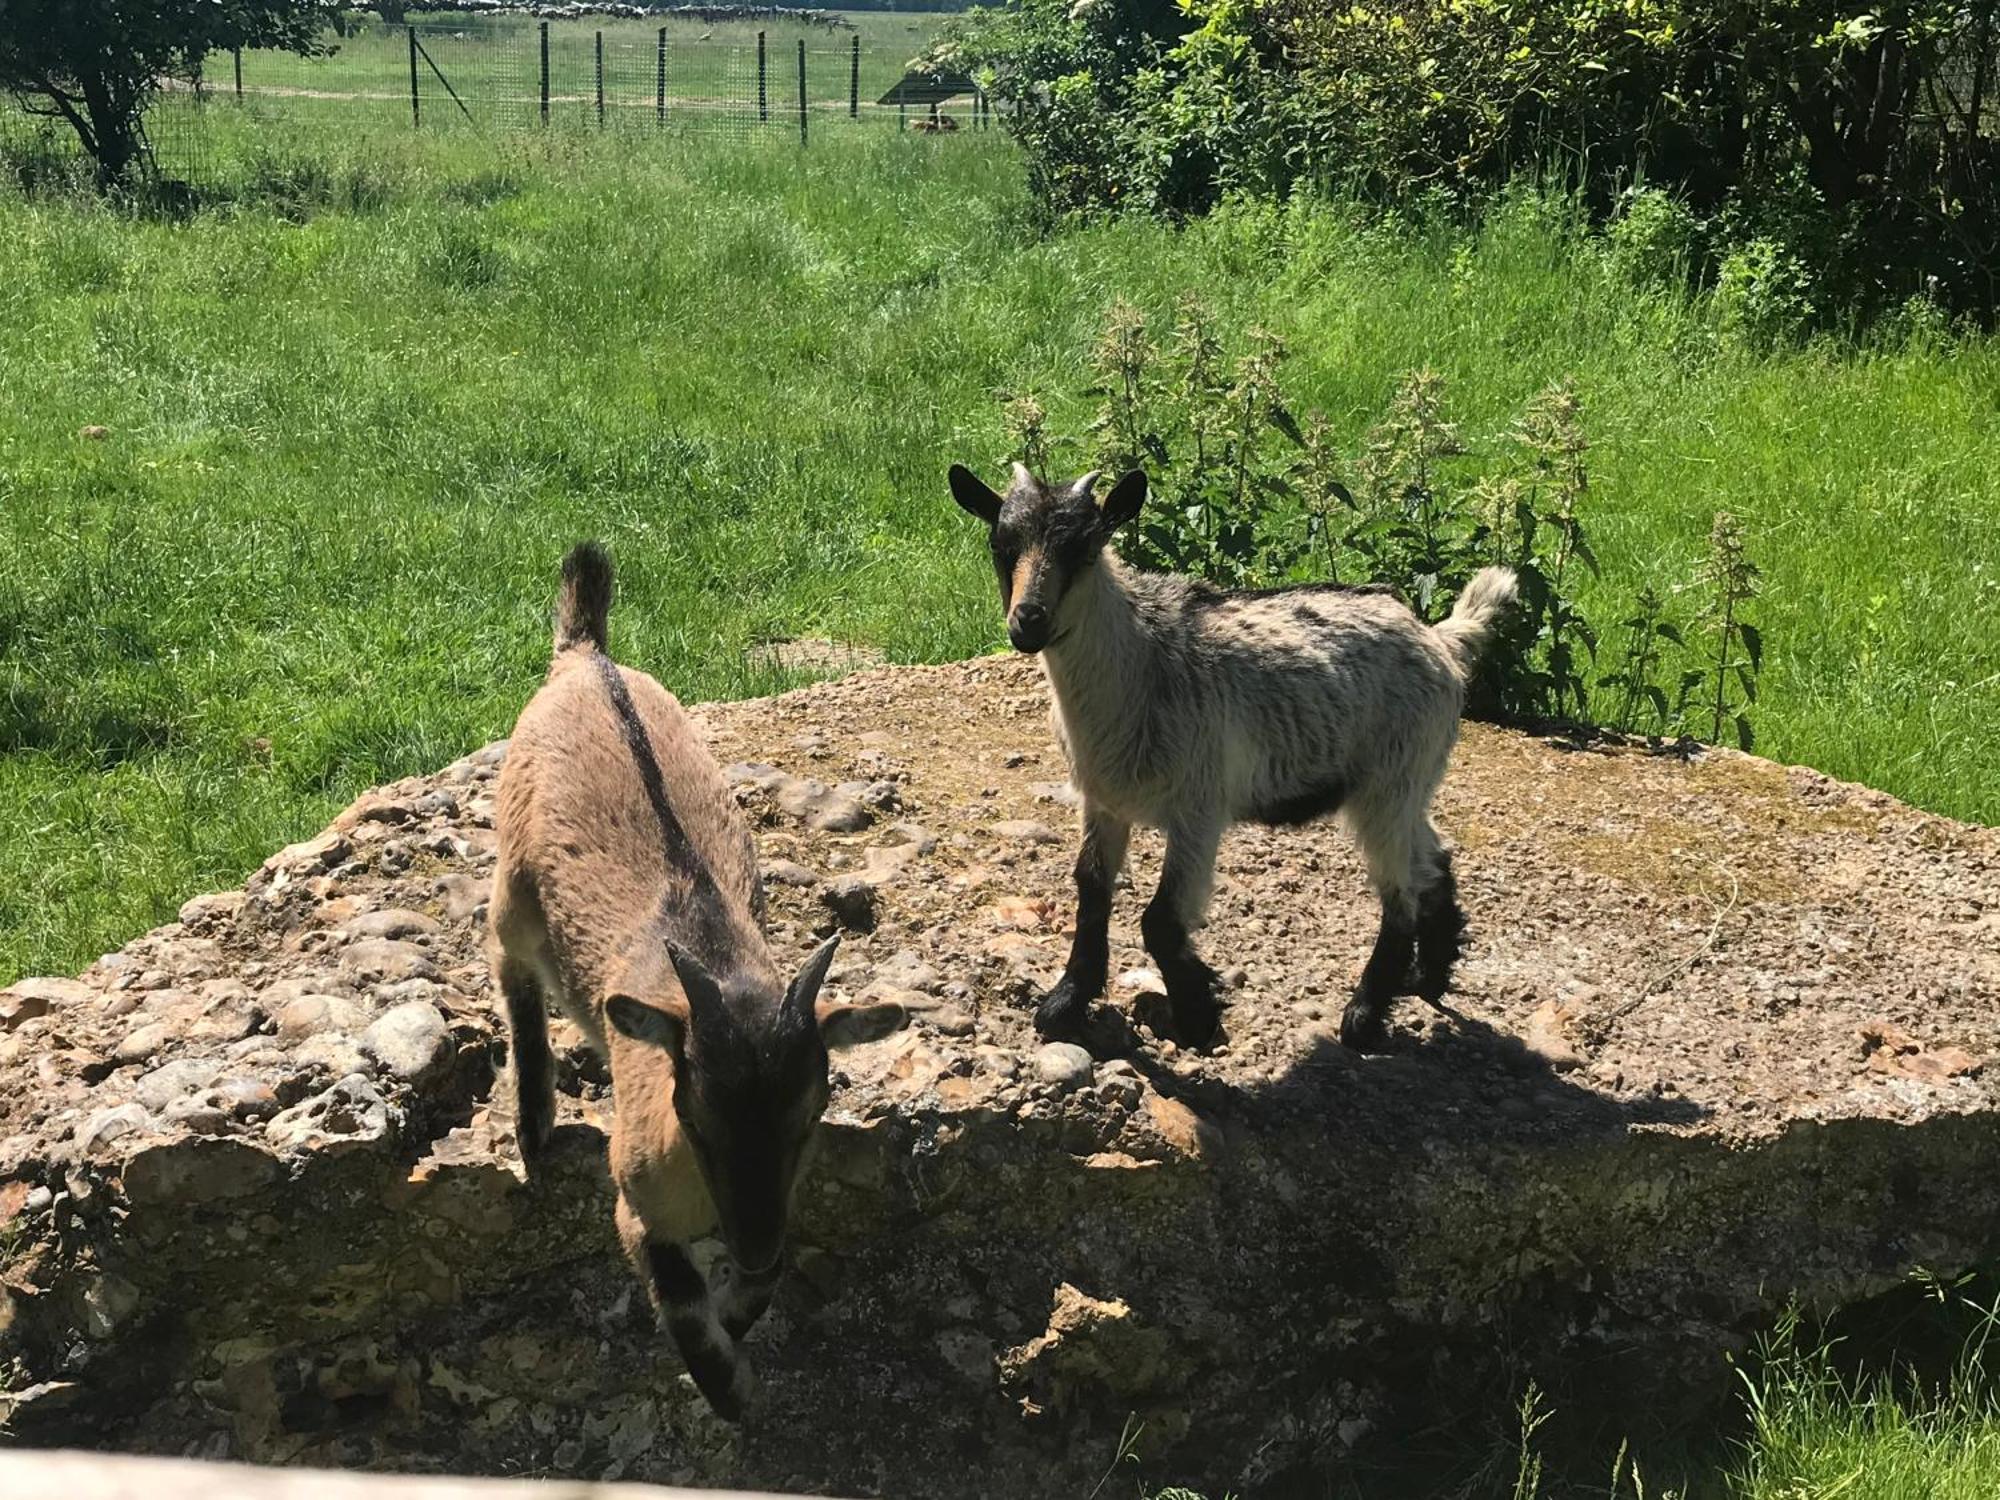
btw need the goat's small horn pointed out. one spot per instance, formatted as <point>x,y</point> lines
<point>1089,481</point>
<point>1023,479</point>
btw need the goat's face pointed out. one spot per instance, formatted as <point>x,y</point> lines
<point>750,1083</point>
<point>1044,537</point>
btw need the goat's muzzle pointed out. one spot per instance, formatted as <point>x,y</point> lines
<point>1028,627</point>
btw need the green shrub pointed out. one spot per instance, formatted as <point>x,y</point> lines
<point>1653,241</point>
<point>1861,141</point>
<point>1764,294</point>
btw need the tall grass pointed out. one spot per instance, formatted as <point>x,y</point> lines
<point>1812,1423</point>
<point>357,408</point>
<point>1817,1431</point>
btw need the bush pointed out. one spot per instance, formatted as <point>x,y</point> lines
<point>1859,142</point>
<point>1764,294</point>
<point>1654,241</point>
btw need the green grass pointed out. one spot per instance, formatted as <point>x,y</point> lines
<point>1808,1426</point>
<point>493,63</point>
<point>357,414</point>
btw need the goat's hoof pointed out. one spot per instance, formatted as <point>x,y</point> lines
<point>1197,1020</point>
<point>1186,1020</point>
<point>534,1134</point>
<point>1063,1013</point>
<point>1364,1026</point>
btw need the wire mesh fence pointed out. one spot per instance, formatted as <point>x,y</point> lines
<point>513,73</point>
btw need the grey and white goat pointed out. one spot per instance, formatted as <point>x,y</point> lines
<point>627,894</point>
<point>1189,709</point>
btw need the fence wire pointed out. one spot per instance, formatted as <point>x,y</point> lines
<point>511,73</point>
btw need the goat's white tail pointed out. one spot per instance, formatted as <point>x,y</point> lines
<point>1490,595</point>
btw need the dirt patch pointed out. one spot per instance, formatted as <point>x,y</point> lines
<point>1723,1036</point>
<point>1717,927</point>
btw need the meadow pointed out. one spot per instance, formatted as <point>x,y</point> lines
<point>357,405</point>
<point>492,64</point>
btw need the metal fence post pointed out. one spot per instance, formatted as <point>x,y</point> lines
<point>763,98</point>
<point>545,72</point>
<point>902,113</point>
<point>600,80</point>
<point>854,79</point>
<point>239,74</point>
<point>802,91</point>
<point>416,121</point>
<point>660,83</point>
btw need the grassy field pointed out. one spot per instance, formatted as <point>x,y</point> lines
<point>356,413</point>
<point>493,65</point>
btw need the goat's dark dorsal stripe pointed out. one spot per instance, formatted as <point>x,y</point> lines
<point>705,904</point>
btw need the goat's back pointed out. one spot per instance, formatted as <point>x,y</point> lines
<point>612,811</point>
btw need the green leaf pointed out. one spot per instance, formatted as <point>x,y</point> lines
<point>1744,737</point>
<point>1753,642</point>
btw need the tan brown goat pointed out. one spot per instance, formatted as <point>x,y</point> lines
<point>627,894</point>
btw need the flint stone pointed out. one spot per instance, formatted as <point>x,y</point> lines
<point>338,1055</point>
<point>410,1041</point>
<point>385,961</point>
<point>197,1170</point>
<point>785,872</point>
<point>142,1042</point>
<point>395,922</point>
<point>175,1080</point>
<point>851,899</point>
<point>1063,1064</point>
<point>26,999</point>
<point>349,1114</point>
<point>315,1015</point>
<point>108,1125</point>
<point>211,910</point>
<point>1026,831</point>
<point>462,895</point>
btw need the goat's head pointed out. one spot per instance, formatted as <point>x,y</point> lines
<point>1044,538</point>
<point>749,1079</point>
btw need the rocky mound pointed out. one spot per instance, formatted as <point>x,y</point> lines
<point>1720,1040</point>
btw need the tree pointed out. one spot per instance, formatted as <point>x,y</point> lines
<point>96,64</point>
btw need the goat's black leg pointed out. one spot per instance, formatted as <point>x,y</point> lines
<point>1064,1009</point>
<point>1384,977</point>
<point>1440,931</point>
<point>534,1063</point>
<point>1175,910</point>
<point>681,1299</point>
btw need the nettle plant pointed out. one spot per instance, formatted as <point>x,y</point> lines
<point>1207,429</point>
<point>1247,495</point>
<point>1729,580</point>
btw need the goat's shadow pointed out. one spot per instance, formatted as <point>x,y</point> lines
<point>1463,1080</point>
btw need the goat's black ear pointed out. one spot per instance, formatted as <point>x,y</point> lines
<point>1123,503</point>
<point>973,494</point>
<point>647,1023</point>
<point>852,1025</point>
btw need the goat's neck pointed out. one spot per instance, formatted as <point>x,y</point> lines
<point>1098,660</point>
